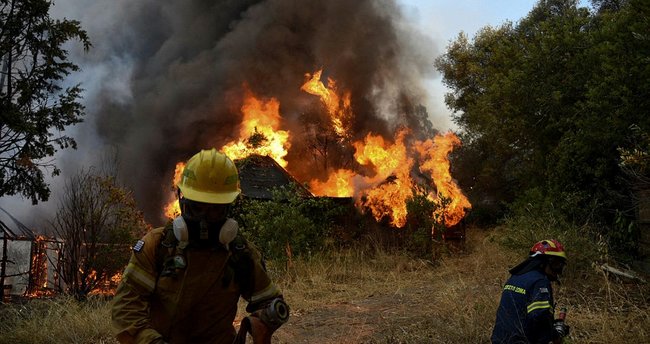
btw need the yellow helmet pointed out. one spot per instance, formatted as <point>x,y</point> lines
<point>210,177</point>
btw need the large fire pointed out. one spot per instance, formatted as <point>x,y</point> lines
<point>434,155</point>
<point>388,198</point>
<point>386,181</point>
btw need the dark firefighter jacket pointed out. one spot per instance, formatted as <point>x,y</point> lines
<point>192,299</point>
<point>525,313</point>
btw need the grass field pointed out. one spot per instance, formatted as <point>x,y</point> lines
<point>370,295</point>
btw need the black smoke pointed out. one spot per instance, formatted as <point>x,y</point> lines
<point>185,65</point>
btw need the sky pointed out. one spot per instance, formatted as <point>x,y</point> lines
<point>440,20</point>
<point>443,20</point>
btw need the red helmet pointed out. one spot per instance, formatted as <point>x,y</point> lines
<point>550,247</point>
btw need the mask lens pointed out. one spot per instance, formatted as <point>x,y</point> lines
<point>198,211</point>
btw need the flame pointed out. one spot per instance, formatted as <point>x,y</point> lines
<point>105,285</point>
<point>339,184</point>
<point>339,108</point>
<point>389,197</point>
<point>385,158</point>
<point>39,266</point>
<point>259,132</point>
<point>382,198</point>
<point>435,154</point>
<point>382,185</point>
<point>391,185</point>
<point>116,278</point>
<point>173,209</point>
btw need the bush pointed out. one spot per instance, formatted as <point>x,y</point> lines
<point>425,222</point>
<point>288,224</point>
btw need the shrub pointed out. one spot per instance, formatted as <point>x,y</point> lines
<point>425,223</point>
<point>288,224</point>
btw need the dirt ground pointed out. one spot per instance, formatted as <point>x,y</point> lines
<point>396,300</point>
<point>369,319</point>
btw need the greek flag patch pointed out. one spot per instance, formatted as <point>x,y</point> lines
<point>138,246</point>
<point>543,290</point>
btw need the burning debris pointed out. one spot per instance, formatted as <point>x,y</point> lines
<point>29,262</point>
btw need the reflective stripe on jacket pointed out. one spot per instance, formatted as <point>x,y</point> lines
<point>525,313</point>
<point>197,304</point>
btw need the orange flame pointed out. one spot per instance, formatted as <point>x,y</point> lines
<point>173,209</point>
<point>388,185</point>
<point>435,152</point>
<point>105,285</point>
<point>339,184</point>
<point>39,266</point>
<point>338,108</point>
<point>389,197</point>
<point>259,132</point>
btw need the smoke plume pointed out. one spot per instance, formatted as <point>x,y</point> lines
<point>168,77</point>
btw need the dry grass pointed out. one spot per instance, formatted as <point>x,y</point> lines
<point>61,320</point>
<point>373,296</point>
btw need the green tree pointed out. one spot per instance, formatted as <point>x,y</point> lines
<point>544,105</point>
<point>425,222</point>
<point>34,108</point>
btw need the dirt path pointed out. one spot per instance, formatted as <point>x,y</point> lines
<point>365,320</point>
<point>420,303</point>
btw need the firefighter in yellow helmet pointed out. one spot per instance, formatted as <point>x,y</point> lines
<point>184,280</point>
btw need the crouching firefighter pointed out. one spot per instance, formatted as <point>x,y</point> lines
<point>526,311</point>
<point>184,280</point>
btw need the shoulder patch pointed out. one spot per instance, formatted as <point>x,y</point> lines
<point>138,246</point>
<point>543,290</point>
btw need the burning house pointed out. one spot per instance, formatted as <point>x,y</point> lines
<point>260,174</point>
<point>262,147</point>
<point>379,174</point>
<point>333,91</point>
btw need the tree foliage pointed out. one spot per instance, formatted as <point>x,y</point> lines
<point>97,221</point>
<point>545,105</point>
<point>34,108</point>
<point>425,222</point>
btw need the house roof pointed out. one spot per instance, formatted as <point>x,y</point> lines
<point>259,175</point>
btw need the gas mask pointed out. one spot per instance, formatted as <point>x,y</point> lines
<point>205,233</point>
<point>204,225</point>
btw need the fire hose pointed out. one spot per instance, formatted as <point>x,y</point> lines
<point>272,317</point>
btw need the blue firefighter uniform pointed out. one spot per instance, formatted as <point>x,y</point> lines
<point>525,313</point>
